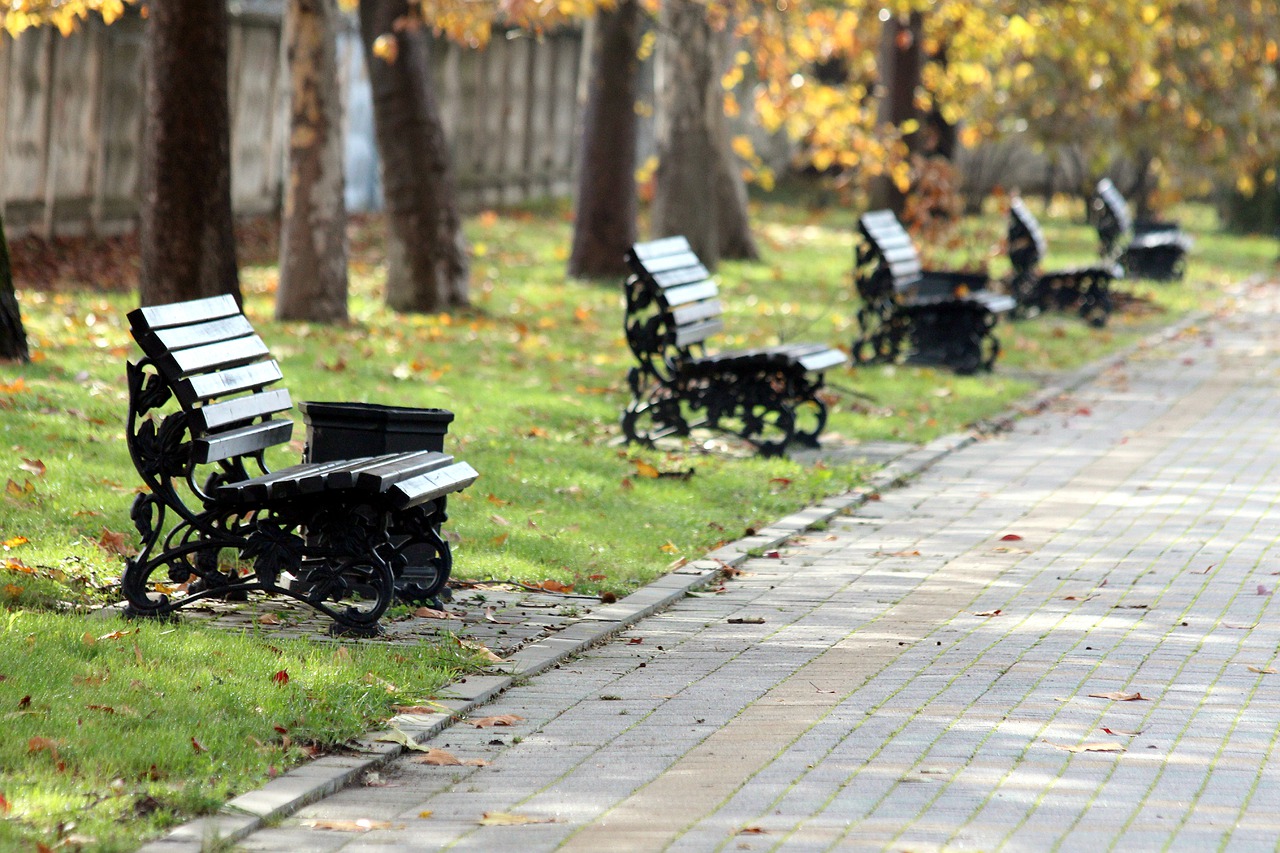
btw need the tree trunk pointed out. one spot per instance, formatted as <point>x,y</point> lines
<point>900,61</point>
<point>734,237</point>
<point>187,232</point>
<point>687,139</point>
<point>427,267</point>
<point>313,251</point>
<point>13,338</point>
<point>605,219</point>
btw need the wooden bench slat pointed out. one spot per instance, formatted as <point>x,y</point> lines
<point>683,276</point>
<point>658,248</point>
<point>691,293</point>
<point>197,334</point>
<point>180,313</point>
<point>697,311</point>
<point>696,333</point>
<point>425,487</point>
<point>239,410</point>
<point>210,386</point>
<point>665,263</point>
<point>261,488</point>
<point>244,441</point>
<point>371,473</point>
<point>217,356</point>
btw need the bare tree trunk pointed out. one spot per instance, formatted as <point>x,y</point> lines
<point>605,218</point>
<point>734,226</point>
<point>313,249</point>
<point>13,338</point>
<point>688,89</point>
<point>427,267</point>
<point>187,233</point>
<point>900,62</point>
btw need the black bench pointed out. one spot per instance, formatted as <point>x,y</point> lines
<point>768,396</point>
<point>344,535</point>
<point>1084,289</point>
<point>1149,249</point>
<point>927,316</point>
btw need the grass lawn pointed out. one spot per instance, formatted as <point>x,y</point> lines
<point>117,730</point>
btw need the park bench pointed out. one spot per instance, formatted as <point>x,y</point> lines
<point>1149,249</point>
<point>927,316</point>
<point>1085,289</point>
<point>767,396</point>
<point>345,531</point>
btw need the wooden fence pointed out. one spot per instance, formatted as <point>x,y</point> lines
<point>71,115</point>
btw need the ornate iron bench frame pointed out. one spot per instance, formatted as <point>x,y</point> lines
<point>1147,249</point>
<point>1084,289</point>
<point>924,316</point>
<point>344,536</point>
<point>767,396</point>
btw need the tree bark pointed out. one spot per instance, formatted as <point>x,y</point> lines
<point>900,62</point>
<point>605,217</point>
<point>313,250</point>
<point>734,237</point>
<point>13,338</point>
<point>427,267</point>
<point>688,144</point>
<point>187,233</point>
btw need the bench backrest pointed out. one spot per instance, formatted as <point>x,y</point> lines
<point>887,261</point>
<point>1113,218</point>
<point>1027,245</point>
<point>685,294</point>
<point>220,372</point>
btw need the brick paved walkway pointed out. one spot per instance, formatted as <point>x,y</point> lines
<point>1062,637</point>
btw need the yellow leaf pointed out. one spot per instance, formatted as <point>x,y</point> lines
<point>397,736</point>
<point>644,469</point>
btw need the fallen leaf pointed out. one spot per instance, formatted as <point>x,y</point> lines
<point>499,720</point>
<point>426,813</point>
<point>361,825</point>
<point>644,469</point>
<point>995,612</point>
<point>499,520</point>
<point>281,678</point>
<point>484,651</point>
<point>556,586</point>
<point>747,620</point>
<point>497,501</point>
<point>430,613</point>
<point>115,543</point>
<point>1119,696</point>
<point>115,635</point>
<point>1267,671</point>
<point>1121,732</point>
<point>15,541</point>
<point>905,554</point>
<point>4,805</point>
<point>1011,537</point>
<point>1080,598</point>
<point>397,736</point>
<point>1262,590</point>
<point>438,758</point>
<point>753,830</point>
<point>1090,747</point>
<point>198,746</point>
<point>33,466</point>
<point>773,555</point>
<point>508,819</point>
<point>268,619</point>
<point>40,744</point>
<point>1203,571</point>
<point>415,709</point>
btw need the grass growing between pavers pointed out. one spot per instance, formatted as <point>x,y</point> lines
<point>535,373</point>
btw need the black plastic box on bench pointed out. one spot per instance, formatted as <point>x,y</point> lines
<point>348,430</point>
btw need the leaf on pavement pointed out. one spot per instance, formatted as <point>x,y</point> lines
<point>361,825</point>
<point>438,758</point>
<point>1011,537</point>
<point>995,612</point>
<point>1267,671</point>
<point>1090,747</point>
<point>499,720</point>
<point>1119,696</point>
<point>508,819</point>
<point>397,736</point>
<point>1121,732</point>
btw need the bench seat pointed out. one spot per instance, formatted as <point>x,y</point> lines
<point>345,536</point>
<point>766,395</point>
<point>939,317</point>
<point>1084,289</point>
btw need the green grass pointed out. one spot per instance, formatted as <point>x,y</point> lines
<point>535,373</point>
